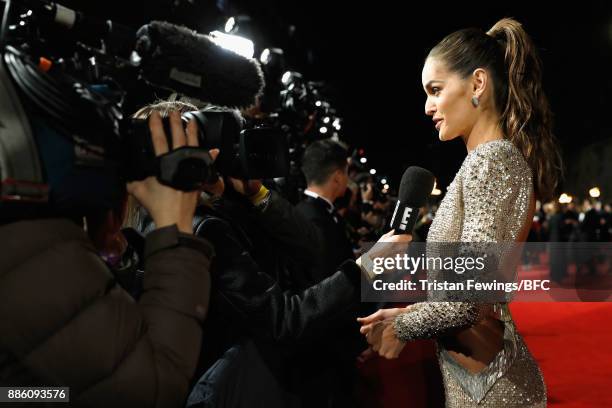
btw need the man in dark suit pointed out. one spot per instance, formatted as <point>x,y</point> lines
<point>325,167</point>
<point>330,370</point>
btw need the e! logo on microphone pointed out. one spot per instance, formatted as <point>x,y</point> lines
<point>405,217</point>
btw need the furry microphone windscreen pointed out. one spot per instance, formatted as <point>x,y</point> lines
<point>186,62</point>
<point>416,186</point>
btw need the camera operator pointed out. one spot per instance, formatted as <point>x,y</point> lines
<point>247,303</point>
<point>65,320</point>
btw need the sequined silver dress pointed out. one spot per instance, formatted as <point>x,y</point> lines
<point>488,201</point>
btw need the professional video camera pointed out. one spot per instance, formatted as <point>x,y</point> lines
<point>68,82</point>
<point>299,108</point>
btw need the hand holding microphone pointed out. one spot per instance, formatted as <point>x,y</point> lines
<point>415,188</point>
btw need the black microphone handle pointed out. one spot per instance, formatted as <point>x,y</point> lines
<point>404,218</point>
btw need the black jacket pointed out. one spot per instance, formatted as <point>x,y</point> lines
<point>245,301</point>
<point>313,341</point>
<point>278,238</point>
<point>334,247</point>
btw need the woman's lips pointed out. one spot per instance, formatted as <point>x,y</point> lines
<point>439,124</point>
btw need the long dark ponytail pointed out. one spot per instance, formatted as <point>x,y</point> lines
<point>511,58</point>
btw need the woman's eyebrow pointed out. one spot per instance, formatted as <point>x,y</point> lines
<point>433,81</point>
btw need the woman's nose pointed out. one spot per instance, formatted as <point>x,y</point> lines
<point>430,107</point>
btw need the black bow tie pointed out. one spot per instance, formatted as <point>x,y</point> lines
<point>330,208</point>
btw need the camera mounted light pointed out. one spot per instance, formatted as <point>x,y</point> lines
<point>230,24</point>
<point>240,45</point>
<point>264,58</point>
<point>291,77</point>
<point>272,56</point>
<point>237,24</point>
<point>336,124</point>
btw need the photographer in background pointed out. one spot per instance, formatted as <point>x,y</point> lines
<point>75,327</point>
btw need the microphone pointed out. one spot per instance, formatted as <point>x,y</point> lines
<point>415,187</point>
<point>171,57</point>
<point>186,62</point>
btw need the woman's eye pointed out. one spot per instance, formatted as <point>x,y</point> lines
<point>435,90</point>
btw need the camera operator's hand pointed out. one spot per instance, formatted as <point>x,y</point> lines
<point>217,188</point>
<point>166,205</point>
<point>246,187</point>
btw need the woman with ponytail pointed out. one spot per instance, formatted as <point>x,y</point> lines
<point>484,87</point>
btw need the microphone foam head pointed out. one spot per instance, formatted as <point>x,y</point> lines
<point>416,186</point>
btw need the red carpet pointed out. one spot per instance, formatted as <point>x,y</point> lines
<point>572,342</point>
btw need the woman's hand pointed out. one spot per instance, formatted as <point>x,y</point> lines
<point>383,340</point>
<point>166,205</point>
<point>380,334</point>
<point>382,314</point>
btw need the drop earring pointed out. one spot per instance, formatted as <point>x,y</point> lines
<point>475,101</point>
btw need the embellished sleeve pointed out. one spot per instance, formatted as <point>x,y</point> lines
<point>489,189</point>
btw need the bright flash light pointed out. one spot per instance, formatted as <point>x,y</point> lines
<point>436,191</point>
<point>336,124</point>
<point>323,130</point>
<point>239,45</point>
<point>565,199</point>
<point>386,186</point>
<point>265,56</point>
<point>230,24</point>
<point>318,104</point>
<point>326,119</point>
<point>383,181</point>
<point>373,171</point>
<point>286,78</point>
<point>363,160</point>
<point>594,192</point>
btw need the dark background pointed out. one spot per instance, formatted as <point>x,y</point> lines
<point>371,57</point>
